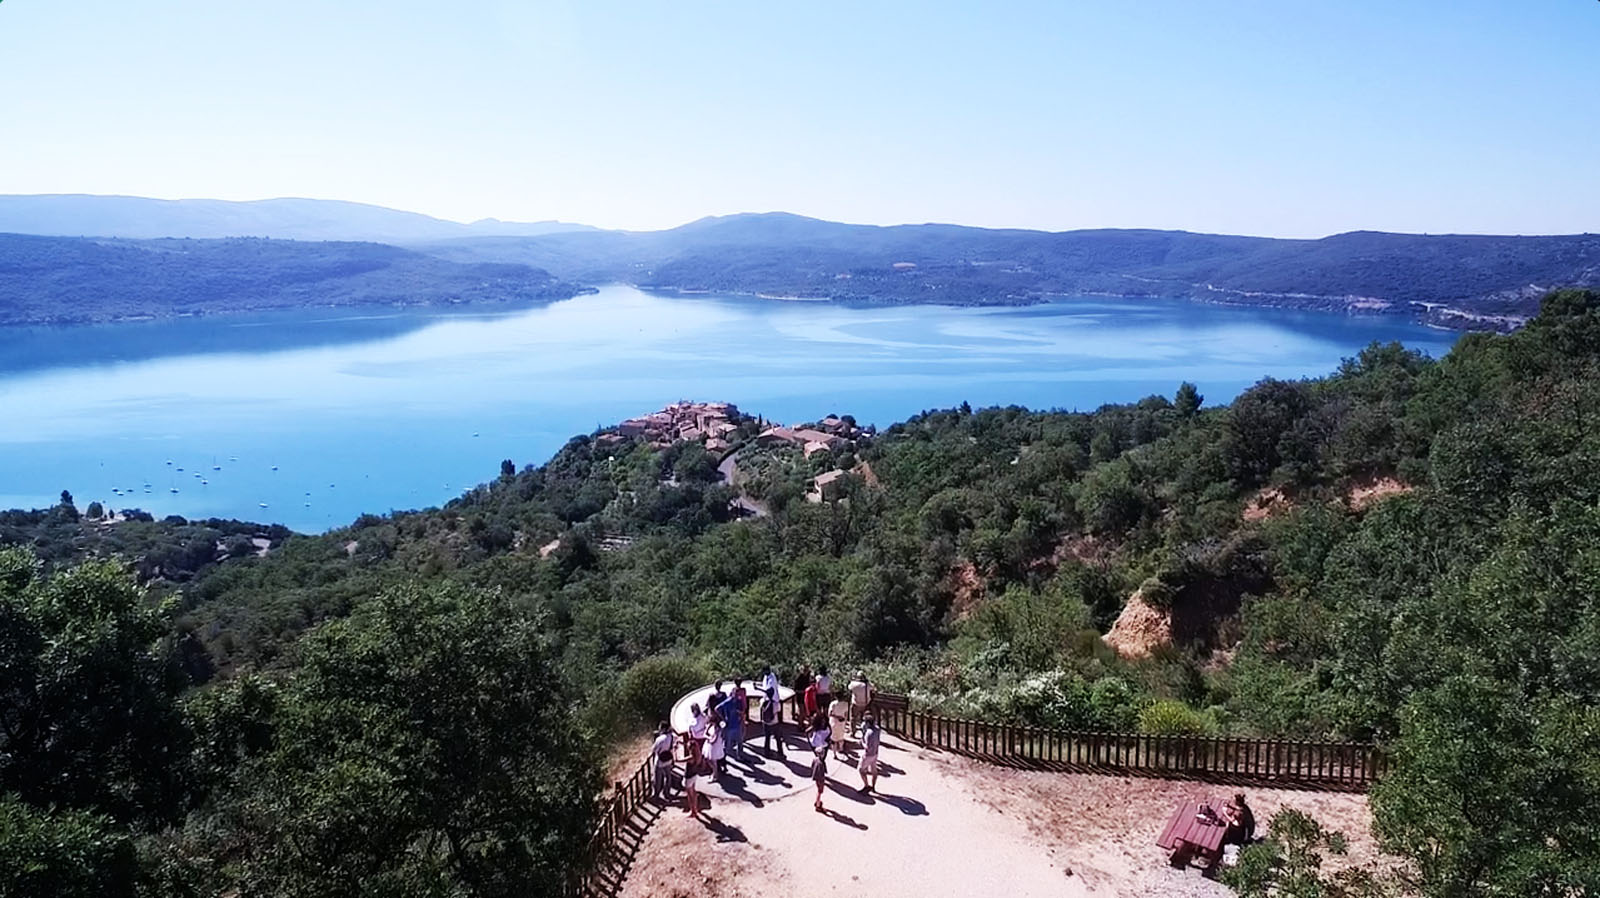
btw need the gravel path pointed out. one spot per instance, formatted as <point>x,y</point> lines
<point>942,825</point>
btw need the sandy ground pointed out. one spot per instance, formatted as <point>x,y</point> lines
<point>944,825</point>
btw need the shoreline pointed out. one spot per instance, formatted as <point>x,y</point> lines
<point>1436,316</point>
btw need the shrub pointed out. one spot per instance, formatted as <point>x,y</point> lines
<point>650,687</point>
<point>63,853</point>
<point>1288,863</point>
<point>1166,717</point>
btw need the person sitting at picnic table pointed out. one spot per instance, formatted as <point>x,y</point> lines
<point>871,739</point>
<point>860,698</point>
<point>839,718</point>
<point>1241,821</point>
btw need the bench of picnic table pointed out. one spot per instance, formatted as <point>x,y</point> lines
<point>1187,836</point>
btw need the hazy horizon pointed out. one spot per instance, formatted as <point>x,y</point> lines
<point>754,212</point>
<point>1244,118</point>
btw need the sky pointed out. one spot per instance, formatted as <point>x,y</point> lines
<point>1295,119</point>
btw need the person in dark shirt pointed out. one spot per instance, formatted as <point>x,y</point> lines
<point>1241,821</point>
<point>802,679</point>
<point>772,721</point>
<point>732,712</point>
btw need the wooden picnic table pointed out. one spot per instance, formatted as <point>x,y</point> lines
<point>1187,836</point>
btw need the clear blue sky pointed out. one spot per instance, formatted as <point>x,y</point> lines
<point>1280,118</point>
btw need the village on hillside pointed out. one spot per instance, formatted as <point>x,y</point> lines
<point>734,436</point>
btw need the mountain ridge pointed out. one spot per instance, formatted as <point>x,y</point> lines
<point>1457,281</point>
<point>293,218</point>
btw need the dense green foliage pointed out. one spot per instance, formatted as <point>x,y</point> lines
<point>1403,551</point>
<point>63,854</point>
<point>1287,863</point>
<point>422,746</point>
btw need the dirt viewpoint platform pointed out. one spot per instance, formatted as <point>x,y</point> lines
<point>938,825</point>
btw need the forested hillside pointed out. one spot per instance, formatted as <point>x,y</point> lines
<point>1459,281</point>
<point>66,280</point>
<point>1405,550</point>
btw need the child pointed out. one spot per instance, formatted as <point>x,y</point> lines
<point>716,752</point>
<point>819,757</point>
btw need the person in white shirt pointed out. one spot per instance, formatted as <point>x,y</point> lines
<point>839,725</point>
<point>824,686</point>
<point>661,754</point>
<point>697,732</point>
<point>860,699</point>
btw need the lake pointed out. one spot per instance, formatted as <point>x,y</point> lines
<point>327,413</point>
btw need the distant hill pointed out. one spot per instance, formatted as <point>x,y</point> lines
<point>1454,280</point>
<point>1461,281</point>
<point>83,215</point>
<point>75,280</point>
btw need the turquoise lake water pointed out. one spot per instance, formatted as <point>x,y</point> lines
<point>362,412</point>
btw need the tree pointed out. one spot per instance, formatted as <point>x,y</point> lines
<point>425,747</point>
<point>63,854</point>
<point>1256,423</point>
<point>1491,794</point>
<point>88,713</point>
<point>1188,399</point>
<point>508,469</point>
<point>95,511</point>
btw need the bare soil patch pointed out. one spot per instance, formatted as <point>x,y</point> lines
<point>1140,629</point>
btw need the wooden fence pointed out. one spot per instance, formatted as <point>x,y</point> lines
<point>1318,764</point>
<point>606,852</point>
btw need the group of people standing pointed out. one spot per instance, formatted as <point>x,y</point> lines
<point>831,719</point>
<point>717,731</point>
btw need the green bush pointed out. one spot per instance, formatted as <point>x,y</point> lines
<point>64,853</point>
<point>650,687</point>
<point>1166,717</point>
